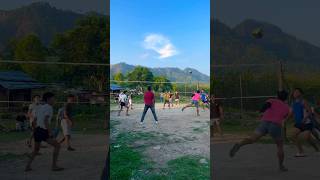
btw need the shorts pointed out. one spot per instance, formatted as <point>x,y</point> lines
<point>40,134</point>
<point>273,129</point>
<point>205,101</point>
<point>304,127</point>
<point>195,102</point>
<point>166,101</point>
<point>66,129</point>
<point>176,100</point>
<point>123,104</point>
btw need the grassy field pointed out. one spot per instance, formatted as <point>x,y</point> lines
<point>128,161</point>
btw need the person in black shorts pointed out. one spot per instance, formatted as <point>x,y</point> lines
<point>42,131</point>
<point>302,114</point>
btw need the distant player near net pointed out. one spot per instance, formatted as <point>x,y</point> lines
<point>302,113</point>
<point>123,100</point>
<point>166,97</point>
<point>194,102</point>
<point>204,100</point>
<point>177,98</point>
<point>275,112</point>
<point>149,101</point>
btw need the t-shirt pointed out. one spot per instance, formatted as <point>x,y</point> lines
<point>148,98</point>
<point>203,96</point>
<point>123,98</point>
<point>298,111</point>
<point>277,112</point>
<point>177,96</point>
<point>167,96</point>
<point>33,108</point>
<point>196,97</point>
<point>42,112</point>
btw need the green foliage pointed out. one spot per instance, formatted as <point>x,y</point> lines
<point>139,74</point>
<point>30,48</point>
<point>162,84</point>
<point>87,42</point>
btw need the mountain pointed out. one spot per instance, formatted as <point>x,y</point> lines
<point>234,45</point>
<point>39,18</point>
<point>173,74</point>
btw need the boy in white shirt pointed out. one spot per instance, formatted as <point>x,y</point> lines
<point>42,131</point>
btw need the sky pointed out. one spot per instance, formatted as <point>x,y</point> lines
<point>83,6</point>
<point>296,17</point>
<point>161,33</point>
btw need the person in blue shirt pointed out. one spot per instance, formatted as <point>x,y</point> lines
<point>302,113</point>
<point>204,99</point>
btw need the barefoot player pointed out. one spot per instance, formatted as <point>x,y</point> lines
<point>275,112</point>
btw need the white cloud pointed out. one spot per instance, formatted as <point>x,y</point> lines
<point>161,45</point>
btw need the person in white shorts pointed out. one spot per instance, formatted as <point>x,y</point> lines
<point>67,121</point>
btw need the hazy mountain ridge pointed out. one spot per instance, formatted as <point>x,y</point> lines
<point>172,73</point>
<point>236,45</point>
<point>39,18</point>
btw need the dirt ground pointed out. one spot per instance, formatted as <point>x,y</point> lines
<point>186,133</point>
<point>85,163</point>
<point>259,162</point>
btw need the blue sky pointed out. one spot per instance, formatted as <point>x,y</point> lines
<point>161,33</point>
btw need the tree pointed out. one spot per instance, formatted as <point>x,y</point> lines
<point>30,48</point>
<point>119,77</point>
<point>161,84</point>
<point>140,74</point>
<point>88,42</point>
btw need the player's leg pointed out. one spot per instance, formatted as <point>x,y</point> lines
<point>144,113</point>
<point>259,132</point>
<point>120,109</point>
<point>197,108</point>
<point>309,139</point>
<point>295,137</point>
<point>154,113</point>
<point>34,153</point>
<point>280,153</point>
<point>55,155</point>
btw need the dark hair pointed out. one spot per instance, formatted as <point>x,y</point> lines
<point>198,91</point>
<point>282,95</point>
<point>71,96</point>
<point>149,88</point>
<point>299,89</point>
<point>46,96</point>
<point>35,96</point>
<point>124,92</point>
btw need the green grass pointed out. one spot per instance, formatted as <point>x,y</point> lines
<point>128,162</point>
<point>188,167</point>
<point>13,136</point>
<point>11,156</point>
